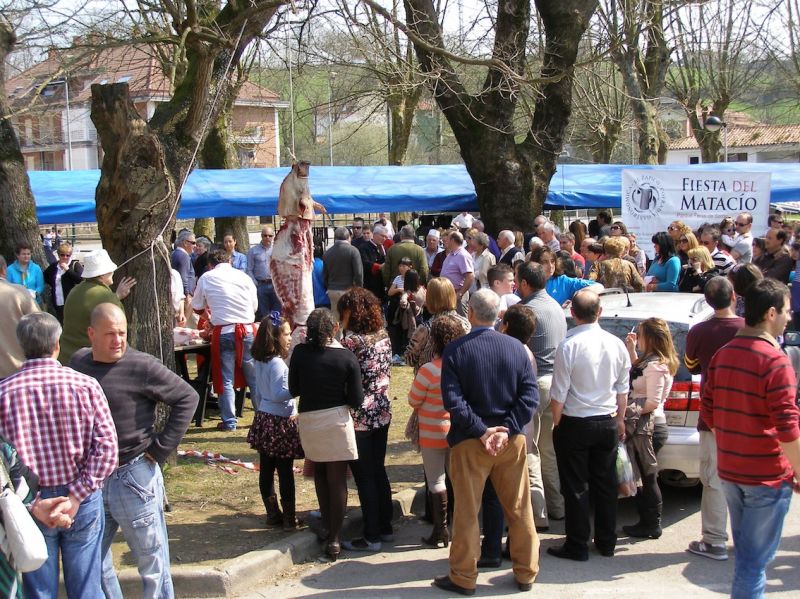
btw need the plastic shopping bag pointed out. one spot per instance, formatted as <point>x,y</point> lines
<point>626,485</point>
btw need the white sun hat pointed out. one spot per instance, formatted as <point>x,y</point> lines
<point>97,263</point>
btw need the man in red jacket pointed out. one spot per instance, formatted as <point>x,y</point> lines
<point>749,403</point>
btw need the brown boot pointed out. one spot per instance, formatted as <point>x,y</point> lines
<point>290,521</point>
<point>274,516</point>
<point>439,534</point>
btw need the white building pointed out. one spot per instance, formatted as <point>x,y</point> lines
<point>745,143</point>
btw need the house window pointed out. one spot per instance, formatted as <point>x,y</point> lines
<point>246,157</point>
<point>48,163</point>
<point>737,156</point>
<point>694,160</point>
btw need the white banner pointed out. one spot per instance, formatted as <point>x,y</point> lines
<point>652,199</point>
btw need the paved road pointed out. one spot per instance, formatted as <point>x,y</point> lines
<point>639,569</point>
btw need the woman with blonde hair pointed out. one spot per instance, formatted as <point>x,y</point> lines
<point>686,241</point>
<point>652,374</point>
<point>615,271</point>
<point>699,269</point>
<point>439,301</point>
<point>62,276</point>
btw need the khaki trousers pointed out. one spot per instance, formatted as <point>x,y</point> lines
<point>470,466</point>
<point>713,505</point>
<point>542,466</point>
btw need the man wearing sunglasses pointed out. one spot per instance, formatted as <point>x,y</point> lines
<point>181,261</point>
<point>357,233</point>
<point>742,250</point>
<point>258,257</point>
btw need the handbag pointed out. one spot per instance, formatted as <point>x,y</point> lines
<point>20,538</point>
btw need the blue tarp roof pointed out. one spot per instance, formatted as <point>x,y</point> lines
<point>68,196</point>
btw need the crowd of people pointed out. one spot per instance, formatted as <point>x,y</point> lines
<point>516,417</point>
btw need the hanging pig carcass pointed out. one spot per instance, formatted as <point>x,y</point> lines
<point>292,259</point>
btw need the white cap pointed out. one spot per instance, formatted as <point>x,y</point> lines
<point>97,263</point>
<point>434,233</point>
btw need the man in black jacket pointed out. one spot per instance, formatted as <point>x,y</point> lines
<point>372,257</point>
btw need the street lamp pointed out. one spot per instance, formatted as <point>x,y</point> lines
<point>331,79</point>
<point>714,124</point>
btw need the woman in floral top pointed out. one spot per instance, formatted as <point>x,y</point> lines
<point>362,319</point>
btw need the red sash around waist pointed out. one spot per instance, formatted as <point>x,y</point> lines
<point>240,331</point>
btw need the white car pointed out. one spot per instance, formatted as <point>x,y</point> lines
<point>678,460</point>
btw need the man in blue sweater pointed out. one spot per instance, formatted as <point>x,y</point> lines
<point>487,416</point>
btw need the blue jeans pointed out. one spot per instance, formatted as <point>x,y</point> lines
<point>268,300</point>
<point>133,497</point>
<point>80,552</point>
<point>757,514</point>
<point>227,401</point>
<point>492,522</point>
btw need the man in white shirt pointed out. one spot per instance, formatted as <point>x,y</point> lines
<point>463,221</point>
<point>588,398</point>
<point>501,281</point>
<point>742,250</point>
<point>383,220</point>
<point>230,299</point>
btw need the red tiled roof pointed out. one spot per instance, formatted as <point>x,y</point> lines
<point>746,137</point>
<point>136,65</point>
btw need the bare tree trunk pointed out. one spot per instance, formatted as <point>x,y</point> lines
<point>218,153</point>
<point>145,163</point>
<point>204,227</point>
<point>402,107</point>
<point>565,22</point>
<point>18,220</point>
<point>511,179</point>
<point>135,201</point>
<point>643,70</point>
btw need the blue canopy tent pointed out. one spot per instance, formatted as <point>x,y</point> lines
<point>68,196</point>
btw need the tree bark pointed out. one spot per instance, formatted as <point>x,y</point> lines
<point>18,222</point>
<point>218,153</point>
<point>135,200</point>
<point>643,70</point>
<point>511,179</point>
<point>204,227</point>
<point>145,163</point>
